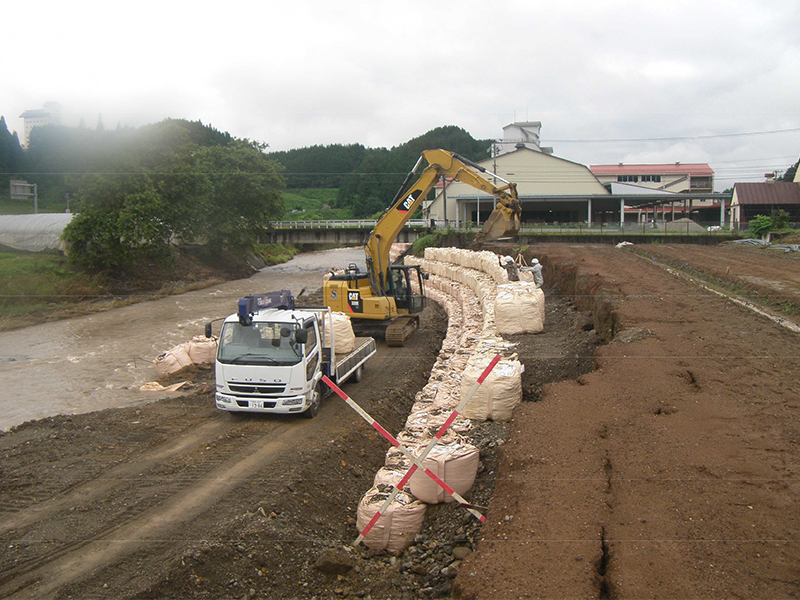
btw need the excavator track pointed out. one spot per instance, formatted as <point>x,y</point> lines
<point>402,328</point>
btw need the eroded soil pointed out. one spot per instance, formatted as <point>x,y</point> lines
<point>660,464</point>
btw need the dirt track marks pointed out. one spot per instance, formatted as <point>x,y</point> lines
<point>71,562</point>
<point>83,494</point>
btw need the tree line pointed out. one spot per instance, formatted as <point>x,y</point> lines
<point>138,191</point>
<point>368,178</point>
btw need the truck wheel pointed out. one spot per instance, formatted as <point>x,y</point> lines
<point>316,400</point>
<point>358,374</point>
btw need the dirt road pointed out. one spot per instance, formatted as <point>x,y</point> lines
<point>670,470</point>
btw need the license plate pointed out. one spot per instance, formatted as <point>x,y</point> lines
<point>256,404</point>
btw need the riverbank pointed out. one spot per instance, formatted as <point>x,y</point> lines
<point>40,287</point>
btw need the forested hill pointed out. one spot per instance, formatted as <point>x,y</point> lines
<point>368,178</point>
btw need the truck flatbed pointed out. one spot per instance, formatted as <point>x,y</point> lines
<point>346,364</point>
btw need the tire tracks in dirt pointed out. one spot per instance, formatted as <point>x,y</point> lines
<point>75,560</point>
<point>88,492</point>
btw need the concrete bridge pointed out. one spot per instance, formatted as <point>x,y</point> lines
<point>336,232</point>
<point>355,233</point>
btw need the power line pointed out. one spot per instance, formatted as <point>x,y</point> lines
<point>678,138</point>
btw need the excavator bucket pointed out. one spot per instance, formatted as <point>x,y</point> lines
<point>502,223</point>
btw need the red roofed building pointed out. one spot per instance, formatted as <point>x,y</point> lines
<point>751,199</point>
<point>674,177</point>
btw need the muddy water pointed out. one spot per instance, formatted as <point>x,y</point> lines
<point>99,361</point>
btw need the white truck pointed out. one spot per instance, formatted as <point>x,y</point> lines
<point>271,357</point>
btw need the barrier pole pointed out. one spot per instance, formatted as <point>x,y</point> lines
<point>416,461</point>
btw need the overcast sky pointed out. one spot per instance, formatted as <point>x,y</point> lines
<point>304,72</point>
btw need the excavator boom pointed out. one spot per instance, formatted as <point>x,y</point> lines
<point>503,222</point>
<point>383,297</point>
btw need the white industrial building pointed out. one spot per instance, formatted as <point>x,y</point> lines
<point>550,189</point>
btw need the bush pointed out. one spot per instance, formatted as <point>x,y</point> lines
<point>760,224</point>
<point>425,241</point>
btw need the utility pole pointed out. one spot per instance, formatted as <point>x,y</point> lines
<point>444,199</point>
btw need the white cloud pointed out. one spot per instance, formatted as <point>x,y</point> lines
<point>311,72</point>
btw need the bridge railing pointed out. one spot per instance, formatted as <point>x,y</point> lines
<point>340,224</point>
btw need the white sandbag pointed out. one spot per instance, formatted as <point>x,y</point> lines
<point>499,393</point>
<point>455,463</point>
<point>433,417</point>
<point>342,332</point>
<point>172,361</point>
<point>395,459</point>
<point>202,350</point>
<point>390,476</point>
<point>398,525</point>
<point>518,308</point>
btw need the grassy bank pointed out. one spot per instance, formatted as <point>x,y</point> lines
<point>32,285</point>
<point>36,288</point>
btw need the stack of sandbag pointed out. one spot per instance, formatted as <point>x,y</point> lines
<point>455,463</point>
<point>398,525</point>
<point>431,418</point>
<point>519,308</point>
<point>342,332</point>
<point>500,392</point>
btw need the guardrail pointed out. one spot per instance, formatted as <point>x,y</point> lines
<point>660,228</point>
<point>340,224</point>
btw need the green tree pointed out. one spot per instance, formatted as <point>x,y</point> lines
<point>11,154</point>
<point>245,194</point>
<point>780,219</point>
<point>119,224</point>
<point>789,174</point>
<point>176,191</point>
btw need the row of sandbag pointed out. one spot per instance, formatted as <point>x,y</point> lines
<point>512,307</point>
<point>198,350</point>
<point>469,346</point>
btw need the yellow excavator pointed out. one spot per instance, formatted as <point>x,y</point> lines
<point>380,300</point>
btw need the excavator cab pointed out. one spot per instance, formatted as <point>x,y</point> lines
<point>400,280</point>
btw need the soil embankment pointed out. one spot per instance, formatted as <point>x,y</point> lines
<point>669,471</point>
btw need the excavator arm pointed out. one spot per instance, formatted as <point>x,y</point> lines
<point>504,220</point>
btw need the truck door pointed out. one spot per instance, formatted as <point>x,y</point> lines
<point>311,350</point>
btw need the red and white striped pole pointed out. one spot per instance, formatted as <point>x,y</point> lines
<point>416,461</point>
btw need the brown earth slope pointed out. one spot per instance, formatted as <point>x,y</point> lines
<point>671,471</point>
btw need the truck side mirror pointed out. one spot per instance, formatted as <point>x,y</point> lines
<point>301,336</point>
<point>208,330</point>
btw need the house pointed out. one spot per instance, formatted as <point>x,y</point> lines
<point>550,189</point>
<point>751,199</point>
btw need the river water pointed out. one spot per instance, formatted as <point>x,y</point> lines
<point>99,361</point>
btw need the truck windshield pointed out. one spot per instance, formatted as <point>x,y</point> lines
<point>258,344</point>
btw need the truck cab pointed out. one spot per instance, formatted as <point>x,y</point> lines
<point>271,357</point>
